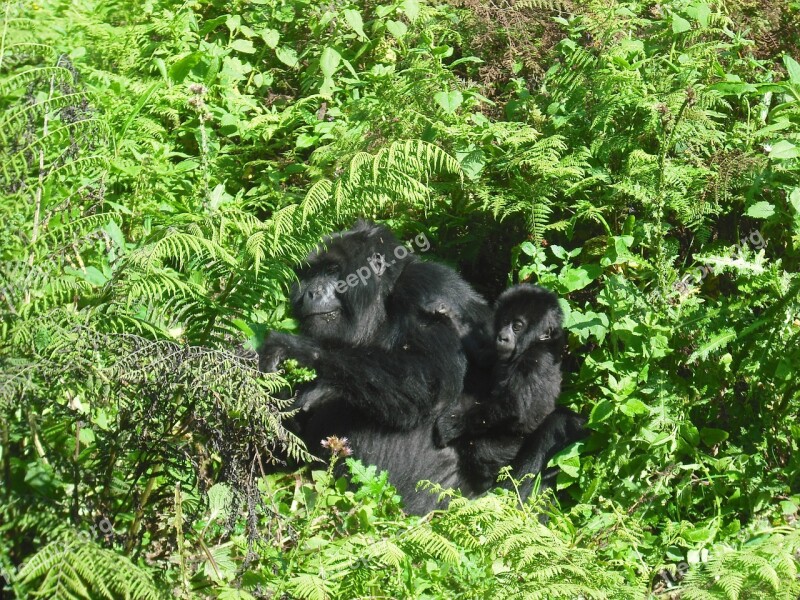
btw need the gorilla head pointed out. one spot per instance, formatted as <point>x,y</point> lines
<point>525,314</point>
<point>342,290</point>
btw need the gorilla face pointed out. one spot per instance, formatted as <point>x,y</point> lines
<point>525,314</point>
<point>314,297</point>
<point>507,337</point>
<point>341,293</point>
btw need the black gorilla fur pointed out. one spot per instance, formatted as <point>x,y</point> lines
<point>525,384</point>
<point>452,300</point>
<point>386,363</point>
<point>384,366</point>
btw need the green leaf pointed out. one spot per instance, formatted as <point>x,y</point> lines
<point>601,411</point>
<point>700,12</point>
<point>661,438</point>
<point>397,28</point>
<point>211,24</point>
<point>784,150</point>
<point>245,46</point>
<point>760,210</point>
<point>720,340</point>
<point>465,59</point>
<point>305,140</point>
<point>794,199</point>
<point>329,62</point>
<point>793,68</point>
<point>115,233</point>
<point>91,274</point>
<point>186,165</point>
<point>690,434</point>
<point>679,24</point>
<point>233,22</point>
<point>285,13</point>
<point>287,56</point>
<point>86,436</point>
<point>327,87</point>
<point>219,501</point>
<point>228,124</point>
<point>353,18</point>
<point>788,507</point>
<point>733,87</point>
<point>220,566</point>
<point>234,69</point>
<point>571,465</point>
<point>633,407</point>
<point>578,278</point>
<point>588,324</point>
<point>712,437</point>
<point>179,70</point>
<point>442,51</point>
<point>271,37</point>
<point>449,101</point>
<point>411,8</point>
<point>701,534</point>
<point>618,253</point>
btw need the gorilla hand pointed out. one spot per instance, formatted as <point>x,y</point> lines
<point>449,426</point>
<point>280,346</point>
<point>313,396</point>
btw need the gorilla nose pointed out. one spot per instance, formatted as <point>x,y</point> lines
<point>502,337</point>
<point>313,293</point>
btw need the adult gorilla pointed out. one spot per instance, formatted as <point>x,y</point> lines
<point>383,368</point>
<point>385,365</point>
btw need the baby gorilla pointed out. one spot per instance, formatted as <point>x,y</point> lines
<point>523,387</point>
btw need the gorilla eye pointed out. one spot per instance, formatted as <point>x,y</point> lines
<point>517,325</point>
<point>331,270</point>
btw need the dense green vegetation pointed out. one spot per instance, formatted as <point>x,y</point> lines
<point>163,167</point>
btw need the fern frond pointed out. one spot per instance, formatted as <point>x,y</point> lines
<point>311,587</point>
<point>64,570</point>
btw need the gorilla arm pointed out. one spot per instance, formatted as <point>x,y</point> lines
<point>397,386</point>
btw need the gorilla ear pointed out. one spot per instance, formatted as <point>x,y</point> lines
<point>555,319</point>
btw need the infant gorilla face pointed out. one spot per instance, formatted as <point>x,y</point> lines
<point>508,336</point>
<point>525,314</point>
